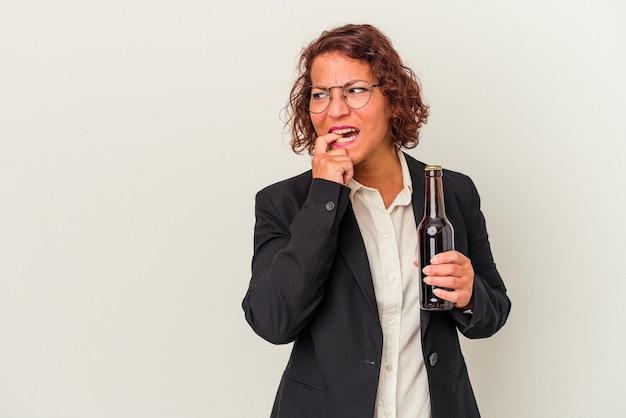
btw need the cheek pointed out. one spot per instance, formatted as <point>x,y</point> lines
<point>317,122</point>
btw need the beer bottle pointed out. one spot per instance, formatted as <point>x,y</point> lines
<point>435,234</point>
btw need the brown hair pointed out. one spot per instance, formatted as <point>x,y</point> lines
<point>398,83</point>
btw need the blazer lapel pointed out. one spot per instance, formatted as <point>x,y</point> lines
<point>416,169</point>
<point>351,246</point>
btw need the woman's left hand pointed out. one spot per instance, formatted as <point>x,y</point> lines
<point>451,270</point>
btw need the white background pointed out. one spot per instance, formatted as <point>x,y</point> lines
<point>134,135</point>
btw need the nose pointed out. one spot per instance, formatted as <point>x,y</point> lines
<point>337,106</point>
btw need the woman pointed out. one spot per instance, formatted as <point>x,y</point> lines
<point>334,267</point>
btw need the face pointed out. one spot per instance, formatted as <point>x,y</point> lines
<point>367,136</point>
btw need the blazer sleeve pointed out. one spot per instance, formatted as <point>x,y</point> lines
<point>295,241</point>
<point>491,303</point>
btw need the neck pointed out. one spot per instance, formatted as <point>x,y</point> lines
<point>385,175</point>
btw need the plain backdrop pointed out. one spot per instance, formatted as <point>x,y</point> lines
<point>134,135</point>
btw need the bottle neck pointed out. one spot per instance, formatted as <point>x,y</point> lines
<point>434,207</point>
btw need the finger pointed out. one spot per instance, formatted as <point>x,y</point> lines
<point>322,143</point>
<point>348,174</point>
<point>448,282</point>
<point>449,257</point>
<point>449,295</point>
<point>464,283</point>
<point>334,165</point>
<point>448,269</point>
<point>459,298</point>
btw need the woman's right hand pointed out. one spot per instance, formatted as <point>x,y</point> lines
<point>331,164</point>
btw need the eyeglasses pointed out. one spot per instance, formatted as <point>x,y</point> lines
<point>356,94</point>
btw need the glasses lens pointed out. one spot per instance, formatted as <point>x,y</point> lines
<point>357,93</point>
<point>319,98</point>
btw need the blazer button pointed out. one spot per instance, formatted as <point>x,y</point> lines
<point>330,205</point>
<point>432,359</point>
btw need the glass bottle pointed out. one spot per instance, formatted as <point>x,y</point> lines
<point>435,234</point>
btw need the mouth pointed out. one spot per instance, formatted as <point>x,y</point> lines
<point>347,135</point>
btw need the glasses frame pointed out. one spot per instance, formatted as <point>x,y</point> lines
<point>308,90</point>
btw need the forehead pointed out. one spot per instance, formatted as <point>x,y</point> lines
<point>336,69</point>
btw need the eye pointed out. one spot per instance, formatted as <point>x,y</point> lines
<point>357,88</point>
<point>355,91</point>
<point>318,94</point>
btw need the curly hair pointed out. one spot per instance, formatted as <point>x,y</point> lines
<point>398,83</point>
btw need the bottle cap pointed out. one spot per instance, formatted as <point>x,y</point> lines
<point>432,167</point>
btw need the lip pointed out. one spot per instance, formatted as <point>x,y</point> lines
<point>338,128</point>
<point>351,131</point>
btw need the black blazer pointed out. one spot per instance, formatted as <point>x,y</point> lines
<point>311,284</point>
